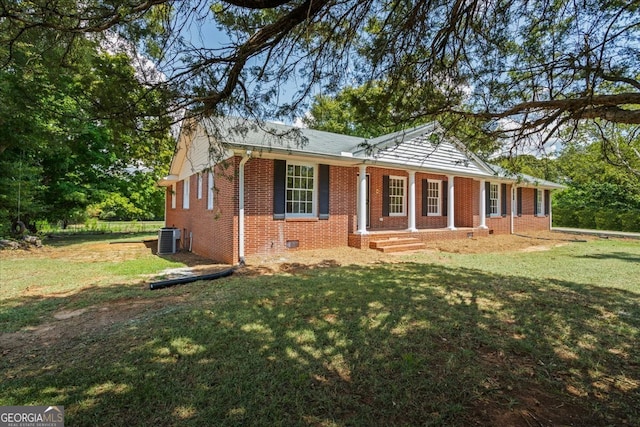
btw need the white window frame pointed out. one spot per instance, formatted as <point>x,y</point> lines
<point>403,197</point>
<point>438,199</point>
<point>199,188</point>
<point>186,190</point>
<point>210,190</point>
<point>174,195</point>
<point>291,191</point>
<point>540,203</point>
<point>497,200</point>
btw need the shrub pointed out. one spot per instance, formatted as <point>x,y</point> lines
<point>564,217</point>
<point>630,221</point>
<point>586,218</point>
<point>607,219</point>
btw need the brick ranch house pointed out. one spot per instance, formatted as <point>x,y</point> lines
<point>236,189</point>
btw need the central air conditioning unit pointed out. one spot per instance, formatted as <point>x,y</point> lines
<point>167,240</point>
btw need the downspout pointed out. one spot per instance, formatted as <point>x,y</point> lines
<point>513,203</point>
<point>550,210</point>
<point>244,160</point>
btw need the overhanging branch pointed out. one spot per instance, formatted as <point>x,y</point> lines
<point>606,107</point>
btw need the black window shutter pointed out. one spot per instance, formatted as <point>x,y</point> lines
<point>445,198</point>
<point>425,195</point>
<point>279,188</point>
<point>519,201</point>
<point>547,200</point>
<point>487,198</point>
<point>323,191</point>
<point>504,200</point>
<point>535,201</point>
<point>385,195</point>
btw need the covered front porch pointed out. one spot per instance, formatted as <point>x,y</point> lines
<point>430,206</point>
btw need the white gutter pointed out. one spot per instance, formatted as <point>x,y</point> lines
<point>244,160</point>
<point>513,205</point>
<point>351,161</point>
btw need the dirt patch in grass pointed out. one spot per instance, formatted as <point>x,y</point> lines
<point>66,325</point>
<point>540,241</point>
<point>525,403</point>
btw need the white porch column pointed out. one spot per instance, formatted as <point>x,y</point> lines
<point>362,200</point>
<point>451,213</point>
<point>412,201</point>
<point>483,205</point>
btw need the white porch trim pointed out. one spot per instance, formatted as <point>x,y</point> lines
<point>362,200</point>
<point>451,212</point>
<point>483,205</point>
<point>412,201</point>
<point>241,192</point>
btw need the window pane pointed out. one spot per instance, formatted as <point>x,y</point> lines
<point>494,199</point>
<point>396,195</point>
<point>433,197</point>
<point>300,189</point>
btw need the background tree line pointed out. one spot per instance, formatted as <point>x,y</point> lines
<point>80,108</point>
<point>80,133</point>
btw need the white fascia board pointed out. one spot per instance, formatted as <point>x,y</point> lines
<point>167,181</point>
<point>278,153</point>
<point>437,171</point>
<point>349,161</point>
<point>541,184</point>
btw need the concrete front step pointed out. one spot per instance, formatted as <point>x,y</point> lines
<point>397,245</point>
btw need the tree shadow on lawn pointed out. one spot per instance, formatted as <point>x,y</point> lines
<point>621,256</point>
<point>399,344</point>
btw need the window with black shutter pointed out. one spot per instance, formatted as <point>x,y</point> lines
<point>504,200</point>
<point>445,198</point>
<point>425,197</point>
<point>385,195</point>
<point>279,188</point>
<point>547,201</point>
<point>323,191</point>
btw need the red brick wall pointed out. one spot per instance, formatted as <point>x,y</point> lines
<point>264,235</point>
<point>215,231</point>
<point>501,224</point>
<point>428,221</point>
<point>379,222</point>
<point>466,201</point>
<point>528,221</point>
<point>212,230</point>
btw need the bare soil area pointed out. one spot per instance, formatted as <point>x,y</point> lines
<point>66,325</point>
<point>293,259</point>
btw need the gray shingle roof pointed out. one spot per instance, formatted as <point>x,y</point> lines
<point>276,136</point>
<point>420,148</point>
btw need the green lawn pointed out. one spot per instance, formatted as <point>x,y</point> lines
<point>541,338</point>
